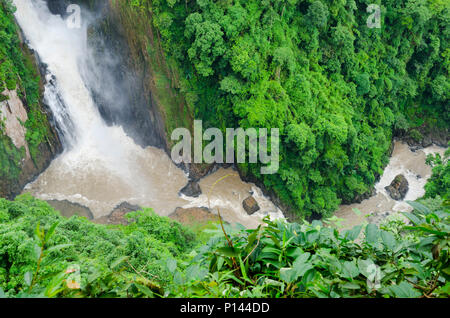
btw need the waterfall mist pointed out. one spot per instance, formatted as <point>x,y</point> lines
<point>101,165</point>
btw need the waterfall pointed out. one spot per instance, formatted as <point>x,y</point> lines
<point>101,166</point>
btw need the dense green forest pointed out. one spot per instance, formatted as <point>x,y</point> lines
<point>43,254</point>
<point>337,89</point>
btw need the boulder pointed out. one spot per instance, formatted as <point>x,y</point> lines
<point>192,189</point>
<point>398,187</point>
<point>250,205</point>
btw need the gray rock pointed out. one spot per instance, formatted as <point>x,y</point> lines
<point>192,189</point>
<point>426,142</point>
<point>117,215</point>
<point>250,205</point>
<point>398,187</point>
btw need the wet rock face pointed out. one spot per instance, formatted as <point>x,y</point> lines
<point>250,205</point>
<point>398,187</point>
<point>192,189</point>
<point>192,216</point>
<point>68,209</point>
<point>117,216</point>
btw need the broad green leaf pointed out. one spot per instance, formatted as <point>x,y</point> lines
<point>229,251</point>
<point>350,270</point>
<point>118,261</point>
<point>312,236</point>
<point>287,274</point>
<point>404,290</point>
<point>388,239</point>
<point>28,278</point>
<point>303,258</point>
<point>171,265</point>
<point>145,290</point>
<point>353,233</point>
<point>294,252</point>
<point>363,265</point>
<point>414,219</point>
<point>419,207</point>
<point>372,233</point>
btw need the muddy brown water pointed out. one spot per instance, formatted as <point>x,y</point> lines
<point>403,161</point>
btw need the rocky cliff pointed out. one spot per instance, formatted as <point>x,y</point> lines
<point>28,139</point>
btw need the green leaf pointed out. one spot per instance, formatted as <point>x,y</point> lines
<point>57,247</point>
<point>294,252</point>
<point>372,233</point>
<point>353,234</point>
<point>404,290</point>
<point>50,232</point>
<point>350,270</point>
<point>118,261</point>
<point>287,274</point>
<point>145,290</point>
<point>419,207</point>
<point>363,265</point>
<point>414,219</point>
<point>172,265</point>
<point>312,236</point>
<point>28,278</point>
<point>388,240</point>
<point>2,293</point>
<point>229,251</point>
<point>350,286</point>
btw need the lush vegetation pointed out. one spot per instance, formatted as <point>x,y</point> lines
<point>38,246</point>
<point>439,183</point>
<point>311,260</point>
<point>337,89</point>
<point>17,72</point>
<point>45,255</point>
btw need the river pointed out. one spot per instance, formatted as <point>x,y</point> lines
<point>101,166</point>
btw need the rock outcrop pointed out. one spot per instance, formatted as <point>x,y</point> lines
<point>117,216</point>
<point>250,205</point>
<point>398,187</point>
<point>193,216</point>
<point>192,189</point>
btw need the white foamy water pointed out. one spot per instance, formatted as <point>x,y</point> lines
<point>101,166</point>
<point>403,161</point>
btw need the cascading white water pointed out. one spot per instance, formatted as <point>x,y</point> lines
<point>403,161</point>
<point>101,166</point>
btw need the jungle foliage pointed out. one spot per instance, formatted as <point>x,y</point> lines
<point>40,252</point>
<point>439,182</point>
<point>38,247</point>
<point>312,260</point>
<point>337,89</point>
